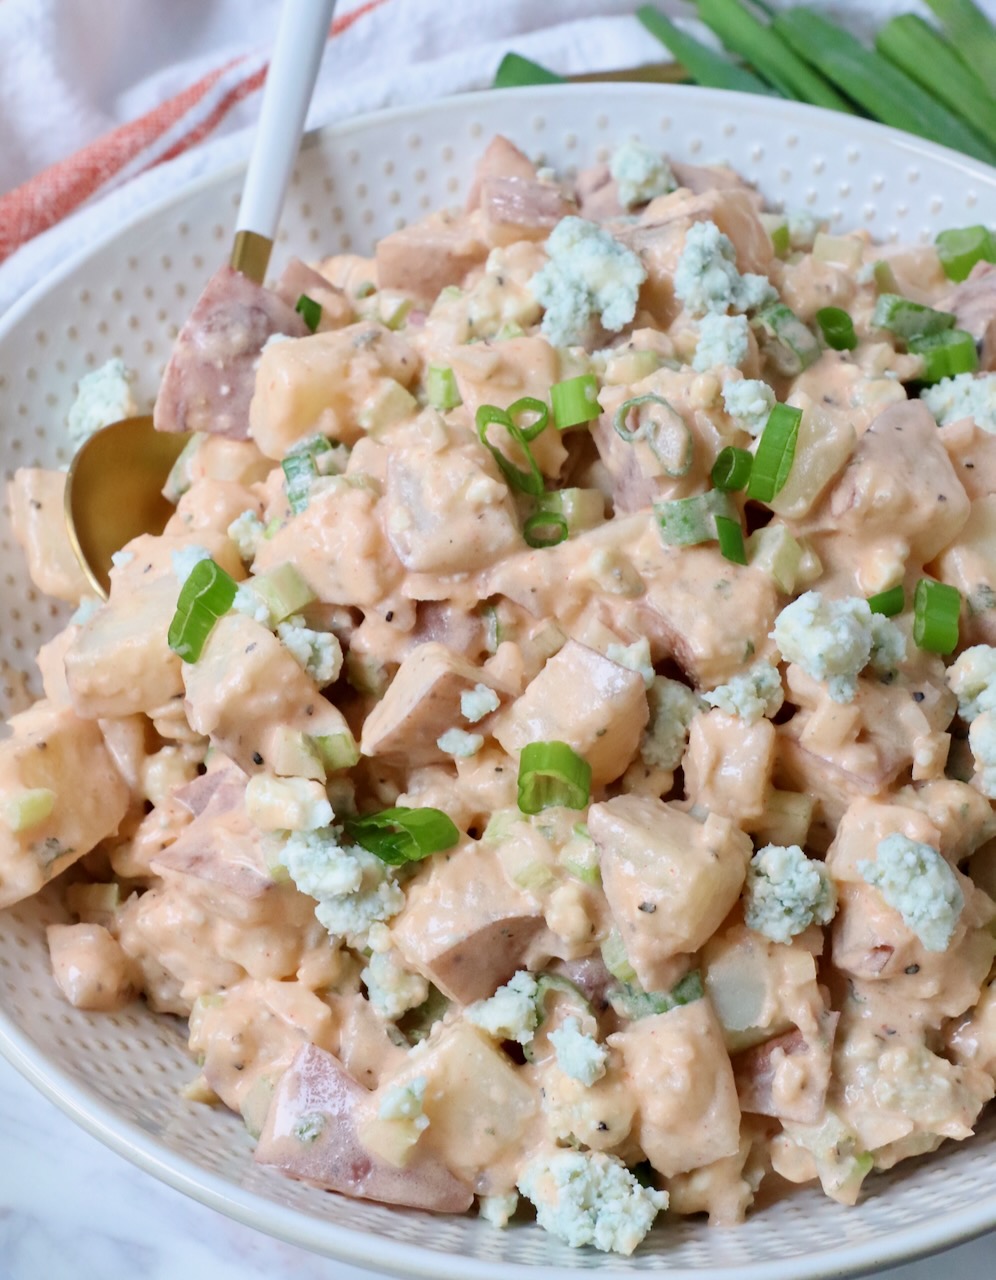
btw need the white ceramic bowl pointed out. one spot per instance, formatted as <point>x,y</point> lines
<point>119,1075</point>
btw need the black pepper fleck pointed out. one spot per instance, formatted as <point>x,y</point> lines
<point>918,696</point>
<point>648,907</point>
<point>911,969</point>
<point>257,758</point>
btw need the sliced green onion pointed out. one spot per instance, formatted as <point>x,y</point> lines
<point>845,251</point>
<point>581,508</point>
<point>555,983</point>
<point>778,231</point>
<point>908,319</point>
<point>552,773</point>
<point>663,428</point>
<point>337,750</point>
<point>441,388</point>
<point>206,596</point>
<point>530,481</point>
<point>960,248</point>
<point>403,835</point>
<point>732,468</point>
<point>837,328</point>
<point>283,591</point>
<point>514,71</point>
<point>775,453</point>
<point>399,315</point>
<point>936,609</point>
<point>705,66</point>
<point>309,310</point>
<point>888,603</point>
<point>884,277</point>
<point>545,529</point>
<point>615,959</point>
<point>300,471</point>
<point>788,344</point>
<point>575,400</point>
<point>529,405</point>
<point>630,1002</point>
<point>731,540</point>
<point>685,522</point>
<point>945,354</point>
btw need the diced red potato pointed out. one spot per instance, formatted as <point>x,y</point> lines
<point>447,510</point>
<point>298,278</point>
<point>702,178</point>
<point>597,194</point>
<point>245,685</point>
<point>973,455</point>
<point>728,765</point>
<point>464,926</point>
<point>500,159</point>
<point>349,272</point>
<point>425,257</point>
<point>788,1076</point>
<point>711,615</point>
<point>52,750</point>
<point>595,705</point>
<point>898,488</point>
<point>968,562</point>
<point>688,1113</point>
<point>36,499</point>
<point>520,209</point>
<point>247,1036</point>
<point>421,704</point>
<point>211,373</point>
<point>337,544</point>
<point>119,661</point>
<point>90,968</point>
<point>670,880</point>
<point>223,849</point>
<point>971,1041</point>
<point>310,1134</point>
<point>320,384</point>
<point>223,789</point>
<point>974,305</point>
<point>364,1047</point>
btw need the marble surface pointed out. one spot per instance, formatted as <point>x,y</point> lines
<point>72,1210</point>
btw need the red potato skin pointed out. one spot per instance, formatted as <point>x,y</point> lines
<point>317,1088</point>
<point>501,159</point>
<point>211,374</point>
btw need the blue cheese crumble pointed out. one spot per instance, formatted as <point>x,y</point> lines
<point>972,677</point>
<point>247,531</point>
<point>706,279</point>
<point>578,1055</point>
<point>635,657</point>
<point>963,396</point>
<point>103,396</point>
<point>920,884</point>
<point>723,342</point>
<point>749,402</point>
<point>478,702</point>
<point>402,1104</point>
<point>982,740</point>
<point>391,988</point>
<point>640,174</point>
<point>318,652</point>
<point>787,892</point>
<point>589,276</point>
<point>673,706</point>
<point>459,743</point>
<point>353,888</point>
<point>587,1197</point>
<point>834,640</point>
<point>511,1013</point>
<point>498,1210</point>
<point>751,696</point>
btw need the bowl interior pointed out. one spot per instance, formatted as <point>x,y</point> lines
<point>120,1074</point>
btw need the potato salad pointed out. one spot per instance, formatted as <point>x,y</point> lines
<point>548,757</point>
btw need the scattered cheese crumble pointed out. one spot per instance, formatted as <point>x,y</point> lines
<point>972,677</point>
<point>707,280</point>
<point>673,706</point>
<point>640,174</point>
<point>589,276</point>
<point>963,396</point>
<point>511,1013</point>
<point>920,884</point>
<point>751,696</point>
<point>982,740</point>
<point>403,1103</point>
<point>787,892</point>
<point>723,342</point>
<point>459,743</point>
<point>749,402</point>
<point>353,888</point>
<point>104,396</point>
<point>587,1197</point>
<point>498,1210</point>
<point>579,1056</point>
<point>391,988</point>
<point>247,531</point>
<point>478,702</point>
<point>318,652</point>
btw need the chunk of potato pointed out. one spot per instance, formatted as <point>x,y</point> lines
<point>36,515</point>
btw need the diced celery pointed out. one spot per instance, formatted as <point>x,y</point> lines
<point>777,552</point>
<point>788,344</point>
<point>337,750</point>
<point>389,404</point>
<point>441,388</point>
<point>93,899</point>
<point>847,251</point>
<point>580,857</point>
<point>256,1104</point>
<point>179,479</point>
<point>581,508</point>
<point>776,225</point>
<point>615,959</point>
<point>293,754</point>
<point>394,310</point>
<point>535,877</point>
<point>28,808</point>
<point>627,367</point>
<point>786,820</point>
<point>283,591</point>
<point>823,446</point>
<point>884,277</point>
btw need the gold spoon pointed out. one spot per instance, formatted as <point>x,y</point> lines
<point>115,481</point>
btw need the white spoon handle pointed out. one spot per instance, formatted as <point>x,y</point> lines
<point>301,36</point>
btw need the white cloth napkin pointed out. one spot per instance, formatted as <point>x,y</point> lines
<point>107,105</point>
